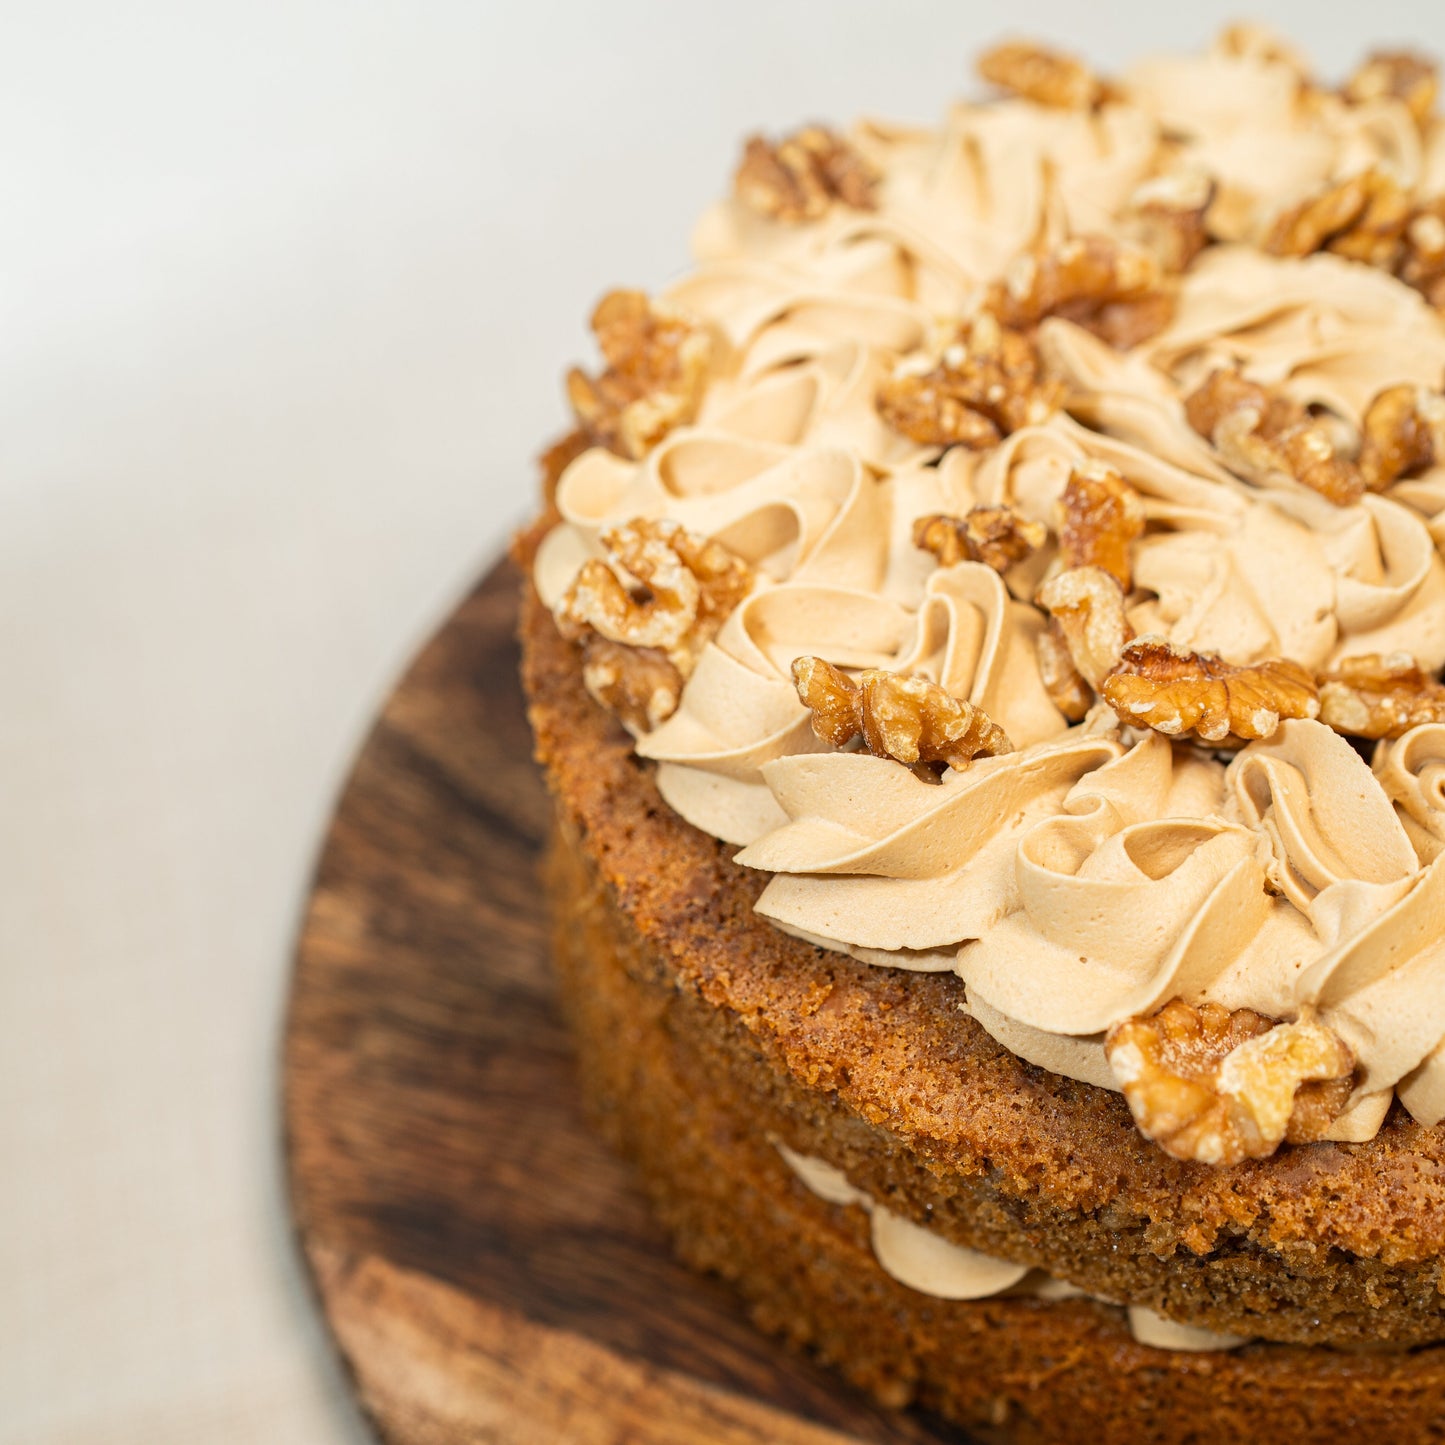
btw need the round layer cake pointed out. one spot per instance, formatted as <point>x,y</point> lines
<point>983,639</point>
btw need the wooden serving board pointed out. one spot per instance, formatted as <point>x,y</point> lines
<point>489,1271</point>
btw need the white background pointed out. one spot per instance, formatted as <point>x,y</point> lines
<point>285,292</point>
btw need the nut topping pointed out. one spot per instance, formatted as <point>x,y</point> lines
<point>1258,432</point>
<point>657,366</point>
<point>1399,75</point>
<point>1217,1086</point>
<point>1422,264</point>
<point>797,178</point>
<point>996,536</point>
<point>1403,433</point>
<point>1167,217</point>
<point>1044,76</point>
<point>909,719</point>
<point>1102,515</point>
<point>1087,607</point>
<point>1176,692</point>
<point>1363,217</point>
<point>1065,684</point>
<point>660,596</point>
<point>1380,697</point>
<point>1112,288</point>
<point>989,383</point>
<point>639,684</point>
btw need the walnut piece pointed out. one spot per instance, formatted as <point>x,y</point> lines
<point>1110,287</point>
<point>1398,75</point>
<point>1066,686</point>
<point>797,178</point>
<point>1166,216</point>
<point>1422,262</point>
<point>1218,1086</point>
<point>1101,516</point>
<point>909,719</point>
<point>1363,217</point>
<point>986,385</point>
<point>1380,697</point>
<point>1258,432</point>
<point>1087,606</point>
<point>1176,692</point>
<point>657,366</point>
<point>639,684</point>
<point>1403,433</point>
<point>996,536</point>
<point>659,596</point>
<point>1044,76</point>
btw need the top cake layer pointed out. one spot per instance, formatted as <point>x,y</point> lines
<point>1086,445</point>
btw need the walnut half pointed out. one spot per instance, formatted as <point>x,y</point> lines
<point>657,367</point>
<point>909,719</point>
<point>1218,1086</point>
<point>1403,432</point>
<point>1380,697</point>
<point>1177,693</point>
<point>1258,432</point>
<point>996,536</point>
<point>1046,77</point>
<point>797,178</point>
<point>987,384</point>
<point>1399,75</point>
<point>1086,605</point>
<point>644,613</point>
<point>1113,288</point>
<point>1102,515</point>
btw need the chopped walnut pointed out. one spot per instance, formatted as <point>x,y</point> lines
<point>639,684</point>
<point>996,536</point>
<point>909,719</point>
<point>1422,264</point>
<point>1380,697</point>
<point>1398,75</point>
<point>657,366</point>
<point>1258,432</point>
<point>1102,515</point>
<point>797,178</point>
<point>1044,76</point>
<point>660,596</point>
<point>1112,288</point>
<point>1087,606</point>
<point>1403,433</point>
<point>986,385</point>
<point>1066,686</point>
<point>1363,217</point>
<point>1176,692</point>
<point>1218,1086</point>
<point>1166,216</point>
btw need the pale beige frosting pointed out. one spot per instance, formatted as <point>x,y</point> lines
<point>925,1261</point>
<point>1093,873</point>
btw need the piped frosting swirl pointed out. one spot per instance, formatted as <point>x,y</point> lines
<point>1094,873</point>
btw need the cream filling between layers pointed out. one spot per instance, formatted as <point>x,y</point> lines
<point>926,1262</point>
<point>1092,874</point>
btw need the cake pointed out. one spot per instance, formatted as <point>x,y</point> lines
<point>983,637</point>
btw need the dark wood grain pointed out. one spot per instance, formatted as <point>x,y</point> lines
<point>489,1271</point>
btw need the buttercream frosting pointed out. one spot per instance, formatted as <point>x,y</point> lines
<point>1093,873</point>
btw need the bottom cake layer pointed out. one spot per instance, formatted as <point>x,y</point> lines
<point>1017,1368</point>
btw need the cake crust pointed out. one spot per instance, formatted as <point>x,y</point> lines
<point>1037,1372</point>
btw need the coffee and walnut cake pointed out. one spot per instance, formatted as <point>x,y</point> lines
<point>984,639</point>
